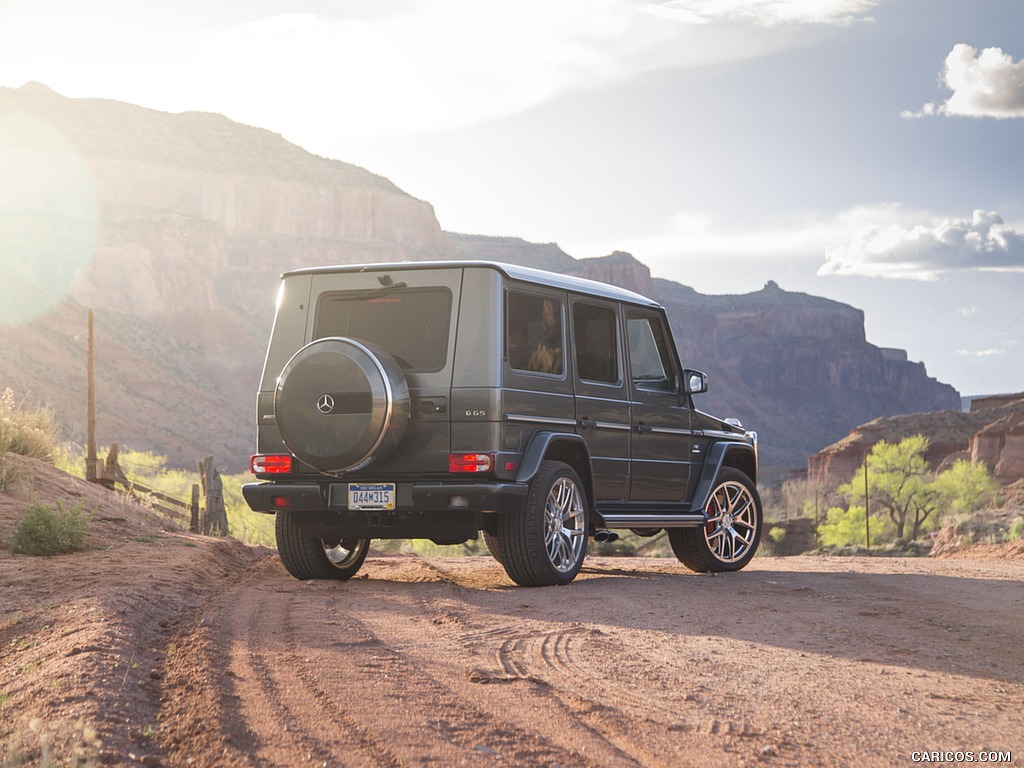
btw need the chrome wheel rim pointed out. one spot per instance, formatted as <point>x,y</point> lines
<point>732,522</point>
<point>342,554</point>
<point>565,525</point>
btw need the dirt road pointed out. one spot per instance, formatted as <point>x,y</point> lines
<point>441,662</point>
<point>160,648</point>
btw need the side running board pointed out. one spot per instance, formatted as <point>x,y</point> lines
<point>612,520</point>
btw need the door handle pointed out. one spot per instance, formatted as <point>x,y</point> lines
<point>587,423</point>
<point>641,427</point>
<point>430,405</point>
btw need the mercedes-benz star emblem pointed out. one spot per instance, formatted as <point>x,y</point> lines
<point>325,404</point>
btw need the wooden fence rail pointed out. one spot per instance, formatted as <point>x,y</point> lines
<point>209,519</point>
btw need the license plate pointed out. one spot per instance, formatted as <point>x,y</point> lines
<point>371,495</point>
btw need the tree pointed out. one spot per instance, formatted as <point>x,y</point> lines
<point>967,486</point>
<point>899,484</point>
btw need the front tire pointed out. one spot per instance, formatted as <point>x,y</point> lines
<point>308,557</point>
<point>729,539</point>
<point>544,544</point>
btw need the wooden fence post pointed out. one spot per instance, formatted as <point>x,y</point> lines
<point>215,520</point>
<point>194,509</point>
<point>112,472</point>
<point>91,463</point>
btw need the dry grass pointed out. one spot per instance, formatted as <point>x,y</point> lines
<point>25,431</point>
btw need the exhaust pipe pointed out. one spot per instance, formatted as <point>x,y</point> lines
<point>606,536</point>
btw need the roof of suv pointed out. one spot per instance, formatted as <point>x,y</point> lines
<point>513,271</point>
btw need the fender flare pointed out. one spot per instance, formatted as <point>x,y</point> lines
<point>712,466</point>
<point>545,442</point>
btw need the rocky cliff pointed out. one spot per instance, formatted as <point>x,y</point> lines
<point>174,229</point>
<point>992,432</point>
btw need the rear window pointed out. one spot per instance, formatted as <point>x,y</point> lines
<point>410,323</point>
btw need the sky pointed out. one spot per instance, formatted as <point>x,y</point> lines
<point>868,151</point>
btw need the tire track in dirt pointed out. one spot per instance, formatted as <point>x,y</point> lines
<point>289,713</point>
<point>434,625</point>
<point>560,675</point>
<point>436,716</point>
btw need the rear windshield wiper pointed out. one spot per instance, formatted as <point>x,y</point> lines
<point>387,287</point>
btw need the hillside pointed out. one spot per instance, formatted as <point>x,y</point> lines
<point>174,229</point>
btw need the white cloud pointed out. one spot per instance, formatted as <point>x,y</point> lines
<point>771,12</point>
<point>879,241</point>
<point>407,68</point>
<point>989,84</point>
<point>979,352</point>
<point>891,241</point>
<point>699,250</point>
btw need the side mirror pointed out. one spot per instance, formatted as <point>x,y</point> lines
<point>695,382</point>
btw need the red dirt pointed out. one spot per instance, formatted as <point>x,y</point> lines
<point>157,647</point>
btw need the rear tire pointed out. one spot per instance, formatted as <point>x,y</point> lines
<point>491,542</point>
<point>544,544</point>
<point>308,557</point>
<point>729,539</point>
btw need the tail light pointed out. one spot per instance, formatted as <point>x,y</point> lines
<point>470,462</point>
<point>271,464</point>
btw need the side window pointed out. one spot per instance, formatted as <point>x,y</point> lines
<point>595,341</point>
<point>534,328</point>
<point>649,357</point>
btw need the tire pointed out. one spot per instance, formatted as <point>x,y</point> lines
<point>544,544</point>
<point>728,541</point>
<point>307,557</point>
<point>491,542</point>
<point>341,404</point>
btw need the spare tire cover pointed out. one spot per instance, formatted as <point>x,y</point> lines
<point>341,404</point>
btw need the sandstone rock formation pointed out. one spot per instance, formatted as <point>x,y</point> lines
<point>175,228</point>
<point>992,433</point>
<point>1000,443</point>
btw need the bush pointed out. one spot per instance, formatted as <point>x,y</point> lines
<point>845,528</point>
<point>26,431</point>
<point>47,531</point>
<point>29,432</point>
<point>1016,532</point>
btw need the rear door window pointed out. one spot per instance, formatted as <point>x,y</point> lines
<point>535,333</point>
<point>410,323</point>
<point>596,342</point>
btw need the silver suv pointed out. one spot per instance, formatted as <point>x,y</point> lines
<point>448,400</point>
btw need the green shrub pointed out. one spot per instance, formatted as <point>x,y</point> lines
<point>777,534</point>
<point>47,531</point>
<point>1016,532</point>
<point>845,528</point>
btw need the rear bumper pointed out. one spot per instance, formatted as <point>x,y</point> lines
<point>497,496</point>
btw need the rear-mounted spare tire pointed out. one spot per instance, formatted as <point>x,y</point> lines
<point>341,404</point>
